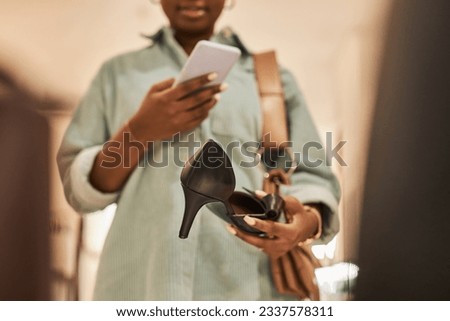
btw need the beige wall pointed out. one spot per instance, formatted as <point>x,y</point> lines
<point>56,46</point>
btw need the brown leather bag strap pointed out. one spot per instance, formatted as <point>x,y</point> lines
<point>275,131</point>
<point>293,272</point>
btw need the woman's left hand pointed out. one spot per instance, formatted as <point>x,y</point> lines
<point>303,224</point>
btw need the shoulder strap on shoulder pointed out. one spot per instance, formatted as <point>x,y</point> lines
<point>275,131</point>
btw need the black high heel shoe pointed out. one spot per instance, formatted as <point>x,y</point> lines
<point>208,177</point>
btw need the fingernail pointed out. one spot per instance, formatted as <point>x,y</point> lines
<point>212,76</point>
<point>260,193</point>
<point>249,220</point>
<point>223,87</point>
<point>217,97</point>
<point>231,230</point>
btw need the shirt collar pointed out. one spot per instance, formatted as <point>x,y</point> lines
<point>164,37</point>
<point>225,36</point>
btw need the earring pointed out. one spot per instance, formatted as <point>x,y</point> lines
<point>155,1</point>
<point>230,4</point>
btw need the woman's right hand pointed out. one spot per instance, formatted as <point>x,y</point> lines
<point>167,110</point>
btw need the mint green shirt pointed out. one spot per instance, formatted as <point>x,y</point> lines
<point>143,258</point>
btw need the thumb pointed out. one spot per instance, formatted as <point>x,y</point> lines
<point>163,85</point>
<point>292,206</point>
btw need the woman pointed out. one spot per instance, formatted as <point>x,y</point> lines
<point>143,259</point>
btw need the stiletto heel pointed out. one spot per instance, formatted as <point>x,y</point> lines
<point>208,177</point>
<point>194,201</point>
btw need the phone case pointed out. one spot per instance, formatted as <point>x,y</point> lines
<point>209,57</point>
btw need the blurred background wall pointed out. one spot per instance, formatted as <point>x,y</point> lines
<point>54,48</point>
<point>404,248</point>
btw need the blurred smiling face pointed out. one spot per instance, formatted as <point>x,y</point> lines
<point>192,16</point>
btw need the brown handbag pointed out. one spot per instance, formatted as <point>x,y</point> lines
<point>292,273</point>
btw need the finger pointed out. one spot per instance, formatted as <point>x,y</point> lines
<point>208,88</point>
<point>256,241</point>
<point>163,85</point>
<point>201,97</point>
<point>201,112</point>
<point>272,247</point>
<point>270,227</point>
<point>187,87</point>
<point>292,205</point>
<point>280,175</point>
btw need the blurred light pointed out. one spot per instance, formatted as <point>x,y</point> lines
<point>325,250</point>
<point>337,281</point>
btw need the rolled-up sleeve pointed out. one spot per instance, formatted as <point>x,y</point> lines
<point>82,191</point>
<point>313,181</point>
<point>84,138</point>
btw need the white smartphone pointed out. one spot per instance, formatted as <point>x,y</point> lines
<point>209,57</point>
